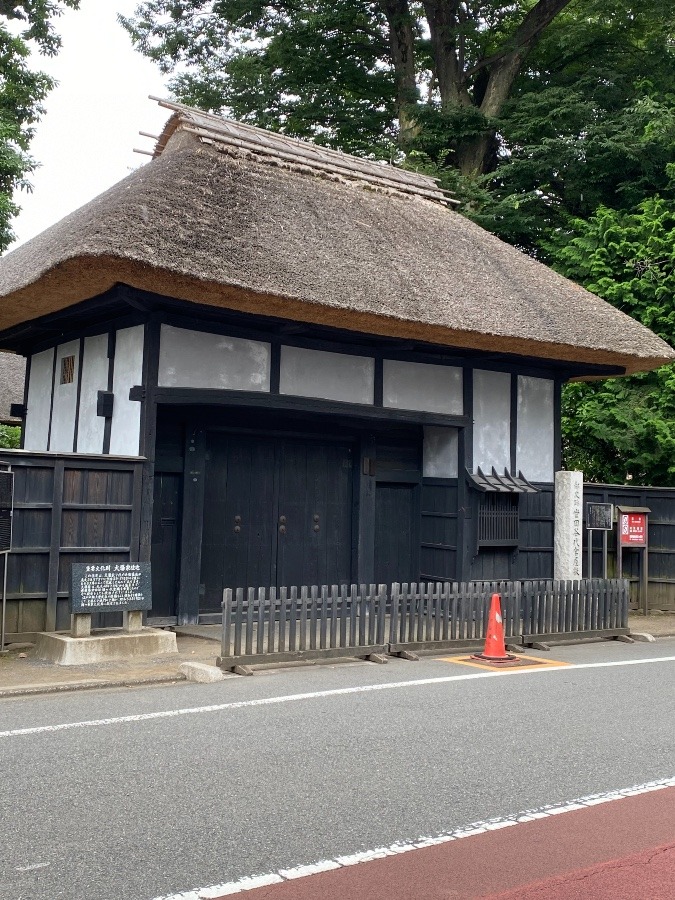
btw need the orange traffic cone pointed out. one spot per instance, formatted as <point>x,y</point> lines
<point>495,649</point>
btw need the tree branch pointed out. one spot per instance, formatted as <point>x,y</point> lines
<point>526,35</point>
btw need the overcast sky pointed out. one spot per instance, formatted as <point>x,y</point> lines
<point>86,139</point>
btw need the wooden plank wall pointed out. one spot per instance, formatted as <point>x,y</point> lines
<point>533,559</point>
<point>661,560</point>
<point>67,508</point>
<point>439,530</point>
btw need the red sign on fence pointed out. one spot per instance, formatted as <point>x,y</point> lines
<point>633,529</point>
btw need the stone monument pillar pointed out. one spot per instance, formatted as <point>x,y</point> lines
<point>568,537</point>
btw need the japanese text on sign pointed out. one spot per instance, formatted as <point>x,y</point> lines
<point>577,494</point>
<point>110,586</point>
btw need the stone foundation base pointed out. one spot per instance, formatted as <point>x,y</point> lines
<point>64,650</point>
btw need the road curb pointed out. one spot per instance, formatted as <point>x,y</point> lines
<point>63,687</point>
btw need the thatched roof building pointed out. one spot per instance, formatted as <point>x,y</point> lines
<point>233,218</point>
<point>12,376</point>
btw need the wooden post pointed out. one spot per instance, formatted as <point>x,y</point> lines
<point>365,569</point>
<point>54,546</point>
<point>192,525</point>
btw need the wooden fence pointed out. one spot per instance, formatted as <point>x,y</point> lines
<point>450,614</point>
<point>558,610</point>
<point>661,551</point>
<point>287,624</point>
<point>268,625</point>
<point>67,508</point>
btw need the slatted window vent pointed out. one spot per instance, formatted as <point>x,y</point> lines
<point>498,520</point>
<point>5,530</point>
<point>67,369</point>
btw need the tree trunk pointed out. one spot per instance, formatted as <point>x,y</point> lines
<point>443,23</point>
<point>403,56</point>
<point>497,72</point>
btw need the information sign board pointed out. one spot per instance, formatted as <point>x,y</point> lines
<point>600,516</point>
<point>108,587</point>
<point>633,529</point>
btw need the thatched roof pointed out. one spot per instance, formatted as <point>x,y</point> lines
<point>12,377</point>
<point>213,221</point>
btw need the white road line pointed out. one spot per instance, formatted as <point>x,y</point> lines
<point>317,695</point>
<point>216,891</point>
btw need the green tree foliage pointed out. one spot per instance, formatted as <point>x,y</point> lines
<point>531,110</point>
<point>552,120</point>
<point>22,92</point>
<point>624,428</point>
<point>10,437</point>
<point>350,72</point>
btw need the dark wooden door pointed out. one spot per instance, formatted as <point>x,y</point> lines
<point>239,534</point>
<point>315,504</point>
<point>277,511</point>
<point>165,535</point>
<point>396,537</point>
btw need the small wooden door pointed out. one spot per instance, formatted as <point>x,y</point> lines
<point>277,511</point>
<point>396,533</point>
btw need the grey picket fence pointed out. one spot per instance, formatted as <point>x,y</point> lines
<point>564,610</point>
<point>287,624</point>
<point>267,625</point>
<point>449,614</point>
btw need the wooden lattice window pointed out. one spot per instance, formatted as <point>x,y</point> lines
<point>67,369</point>
<point>498,520</point>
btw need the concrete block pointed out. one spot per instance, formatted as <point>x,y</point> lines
<point>64,650</point>
<point>132,620</point>
<point>80,625</point>
<point>242,670</point>
<point>642,636</point>
<point>378,658</point>
<point>201,672</point>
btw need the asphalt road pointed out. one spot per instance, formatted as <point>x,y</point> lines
<point>171,799</point>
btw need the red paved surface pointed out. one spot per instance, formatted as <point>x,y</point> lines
<point>646,876</point>
<point>624,849</point>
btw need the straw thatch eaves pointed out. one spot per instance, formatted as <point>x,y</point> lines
<point>12,377</point>
<point>239,228</point>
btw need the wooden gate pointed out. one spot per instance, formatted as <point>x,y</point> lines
<point>276,511</point>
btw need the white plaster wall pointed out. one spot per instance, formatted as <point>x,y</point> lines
<point>128,371</point>
<point>491,420</point>
<point>197,359</point>
<point>39,402</point>
<point>535,428</point>
<point>94,379</point>
<point>440,452</point>
<point>64,404</point>
<point>422,386</point>
<point>327,376</point>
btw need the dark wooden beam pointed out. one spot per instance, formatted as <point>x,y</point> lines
<point>208,397</point>
<point>148,435</point>
<point>192,525</point>
<point>366,510</point>
<point>54,546</point>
